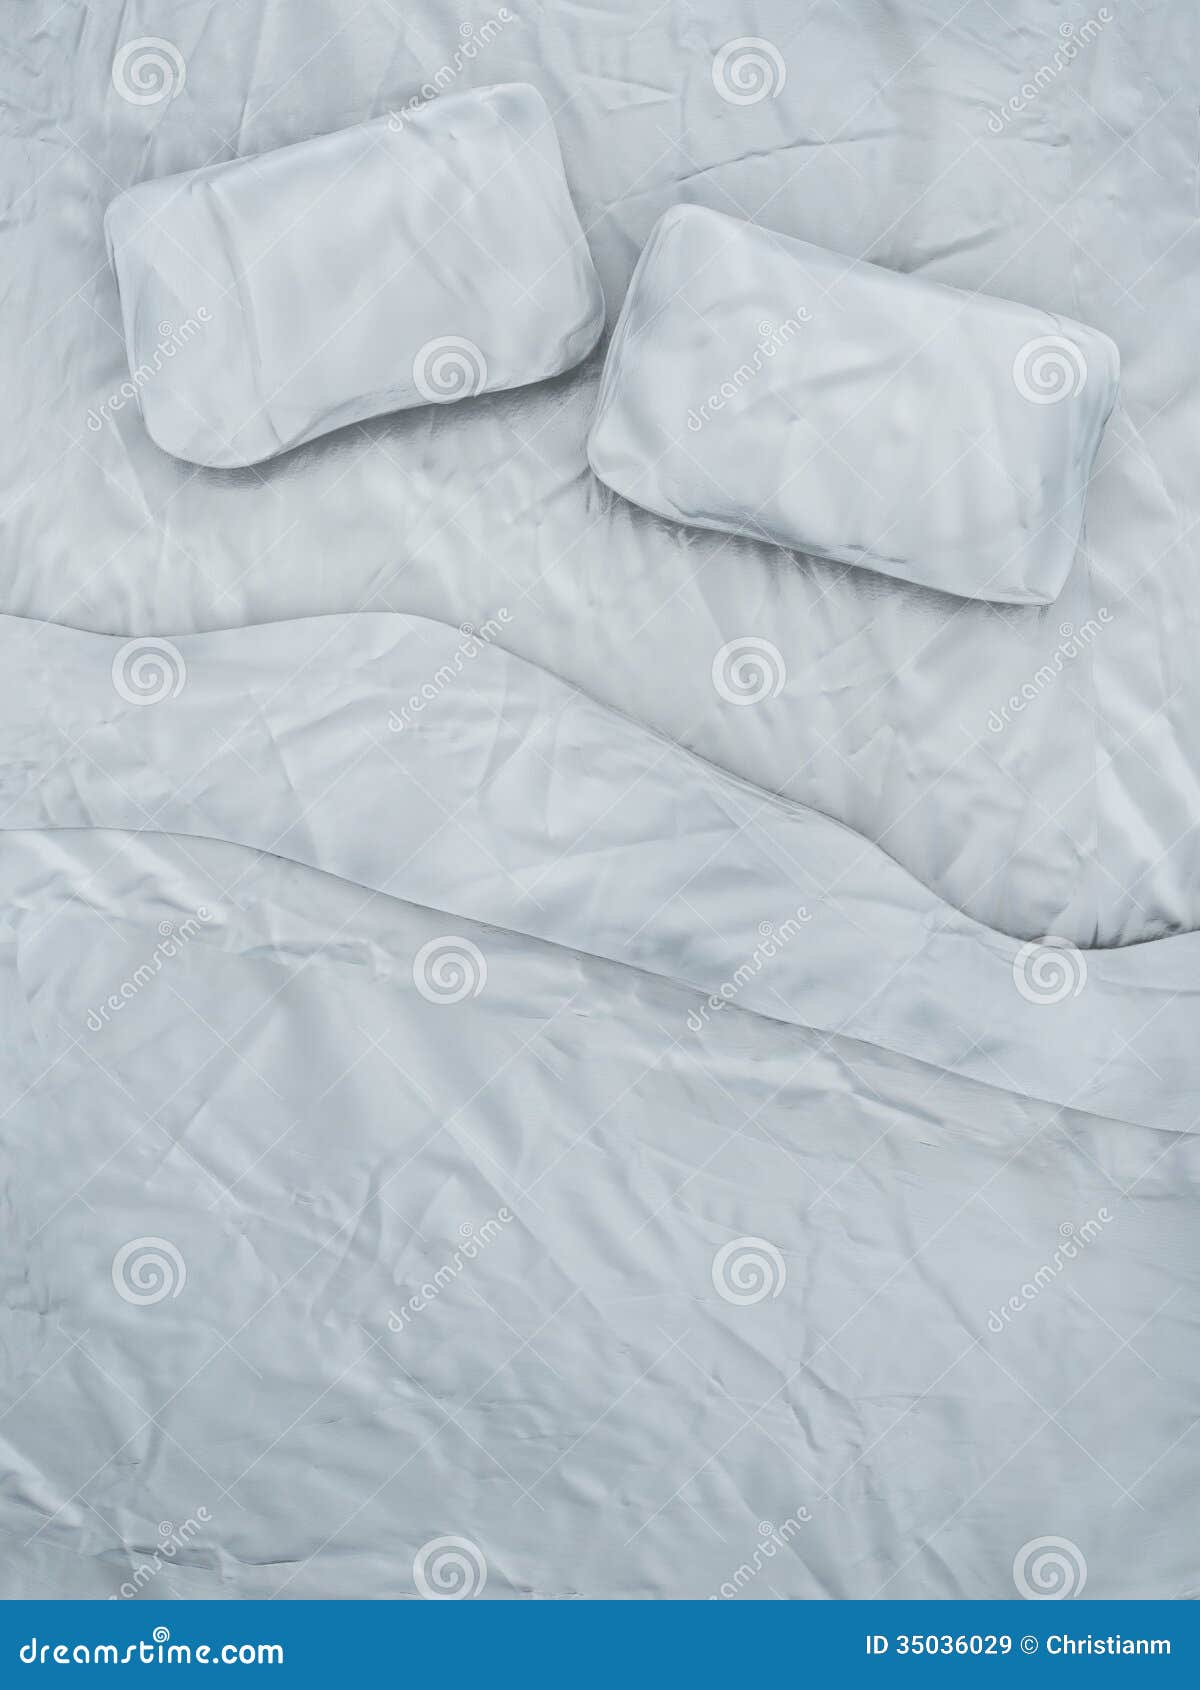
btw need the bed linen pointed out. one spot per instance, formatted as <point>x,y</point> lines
<point>767,388</point>
<point>881,142</point>
<point>749,1150</point>
<point>819,1243</point>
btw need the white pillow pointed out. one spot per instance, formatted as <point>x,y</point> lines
<point>765,387</point>
<point>415,259</point>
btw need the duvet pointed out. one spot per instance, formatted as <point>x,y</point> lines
<point>551,1054</point>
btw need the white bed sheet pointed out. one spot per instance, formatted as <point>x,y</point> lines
<point>279,1100</point>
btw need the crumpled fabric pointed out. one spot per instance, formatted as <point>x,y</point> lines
<point>772,1309</point>
<point>511,1122</point>
<point>412,759</point>
<point>893,136</point>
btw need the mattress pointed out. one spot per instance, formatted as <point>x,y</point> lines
<point>553,1053</point>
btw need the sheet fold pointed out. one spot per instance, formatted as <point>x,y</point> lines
<point>420,761</point>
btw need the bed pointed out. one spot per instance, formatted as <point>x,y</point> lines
<point>495,1103</point>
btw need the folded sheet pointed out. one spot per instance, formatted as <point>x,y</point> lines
<point>635,1134</point>
<point>762,386</point>
<point>416,259</point>
<point>415,760</point>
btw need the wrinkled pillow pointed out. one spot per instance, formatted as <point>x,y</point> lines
<point>415,259</point>
<point>764,387</point>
